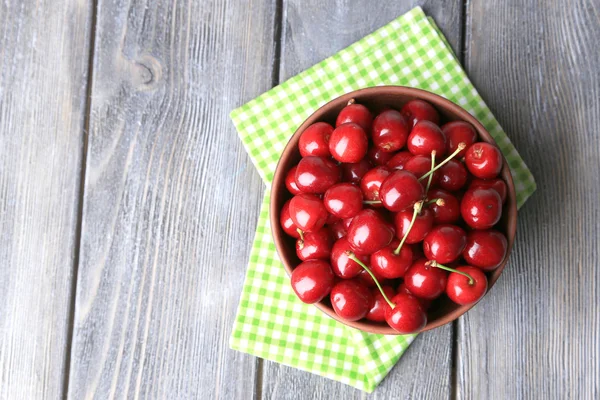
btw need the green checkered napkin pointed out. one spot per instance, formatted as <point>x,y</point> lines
<point>271,322</point>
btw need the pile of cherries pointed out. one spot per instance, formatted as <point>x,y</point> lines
<point>392,212</point>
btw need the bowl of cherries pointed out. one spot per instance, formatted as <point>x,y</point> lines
<point>392,210</point>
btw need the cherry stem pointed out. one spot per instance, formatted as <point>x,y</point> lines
<point>440,202</point>
<point>300,233</point>
<point>440,266</point>
<point>353,257</point>
<point>461,146</point>
<point>430,176</point>
<point>417,209</point>
<point>351,101</point>
<point>371,202</point>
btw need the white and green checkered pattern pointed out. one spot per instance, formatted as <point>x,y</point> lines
<point>271,322</point>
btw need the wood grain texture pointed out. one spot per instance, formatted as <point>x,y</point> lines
<point>171,200</point>
<point>43,74</point>
<point>538,332</point>
<point>424,372</point>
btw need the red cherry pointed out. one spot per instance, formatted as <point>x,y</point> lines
<point>483,160</point>
<point>338,230</point>
<point>348,143</point>
<point>444,243</point>
<point>366,278</point>
<point>314,141</point>
<point>316,174</point>
<point>312,280</point>
<point>390,130</point>
<point>308,212</point>
<point>424,302</point>
<point>497,184</point>
<point>400,191</point>
<point>421,226</point>
<point>417,110</point>
<point>399,160</point>
<point>457,132</point>
<point>449,212</point>
<point>452,175</point>
<point>286,221</point>
<point>464,291</point>
<point>353,172</point>
<point>379,304</point>
<point>332,219</point>
<point>370,183</point>
<point>426,137</point>
<point>343,200</point>
<point>407,316</point>
<point>425,281</point>
<point>388,264</point>
<point>315,245</point>
<point>341,264</point>
<point>378,156</point>
<point>368,232</point>
<point>356,113</point>
<point>485,249</point>
<point>290,181</point>
<point>419,166</point>
<point>481,208</point>
<point>351,299</point>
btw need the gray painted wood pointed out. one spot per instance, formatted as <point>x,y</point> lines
<point>537,335</point>
<point>425,369</point>
<point>171,200</point>
<point>43,73</point>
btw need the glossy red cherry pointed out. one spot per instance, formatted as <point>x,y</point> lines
<point>341,263</point>
<point>481,208</point>
<point>356,113</point>
<point>351,299</point>
<point>315,245</point>
<point>399,160</point>
<point>419,166</point>
<point>464,291</point>
<point>418,110</point>
<point>353,172</point>
<point>444,243</point>
<point>286,222</point>
<point>425,281</point>
<point>407,316</point>
<point>388,264</point>
<point>421,227</point>
<point>452,175</point>
<point>308,212</point>
<point>483,160</point>
<point>314,141</point>
<point>348,143</point>
<point>426,137</point>
<point>449,211</point>
<point>312,280</point>
<point>390,131</point>
<point>400,191</point>
<point>457,132</point>
<point>290,181</point>
<point>370,183</point>
<point>316,174</point>
<point>343,200</point>
<point>379,304</point>
<point>368,232</point>
<point>497,184</point>
<point>485,249</point>
<point>338,230</point>
<point>367,279</point>
<point>424,302</point>
<point>378,157</point>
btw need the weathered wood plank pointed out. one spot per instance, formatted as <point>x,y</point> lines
<point>44,53</point>
<point>171,200</point>
<point>538,332</point>
<point>425,370</point>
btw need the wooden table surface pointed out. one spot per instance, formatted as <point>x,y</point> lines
<point>128,205</point>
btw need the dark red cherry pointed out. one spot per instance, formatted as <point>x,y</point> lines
<point>370,183</point>
<point>379,305</point>
<point>368,232</point>
<point>444,243</point>
<point>483,160</point>
<point>464,291</point>
<point>314,141</point>
<point>426,137</point>
<point>341,264</point>
<point>449,212</point>
<point>353,172</point>
<point>457,132</point>
<point>356,113</point>
<point>290,181</point>
<point>332,219</point>
<point>312,280</point>
<point>407,316</point>
<point>366,278</point>
<point>315,245</point>
<point>387,263</point>
<point>400,191</point>
<point>399,160</point>
<point>338,230</point>
<point>390,131</point>
<point>378,157</point>
<point>425,281</point>
<point>419,110</point>
<point>481,208</point>
<point>424,302</point>
<point>316,174</point>
<point>351,299</point>
<point>343,200</point>
<point>286,222</point>
<point>308,212</point>
<point>348,143</point>
<point>453,175</point>
<point>485,249</point>
<point>421,226</point>
<point>497,184</point>
<point>419,166</point>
